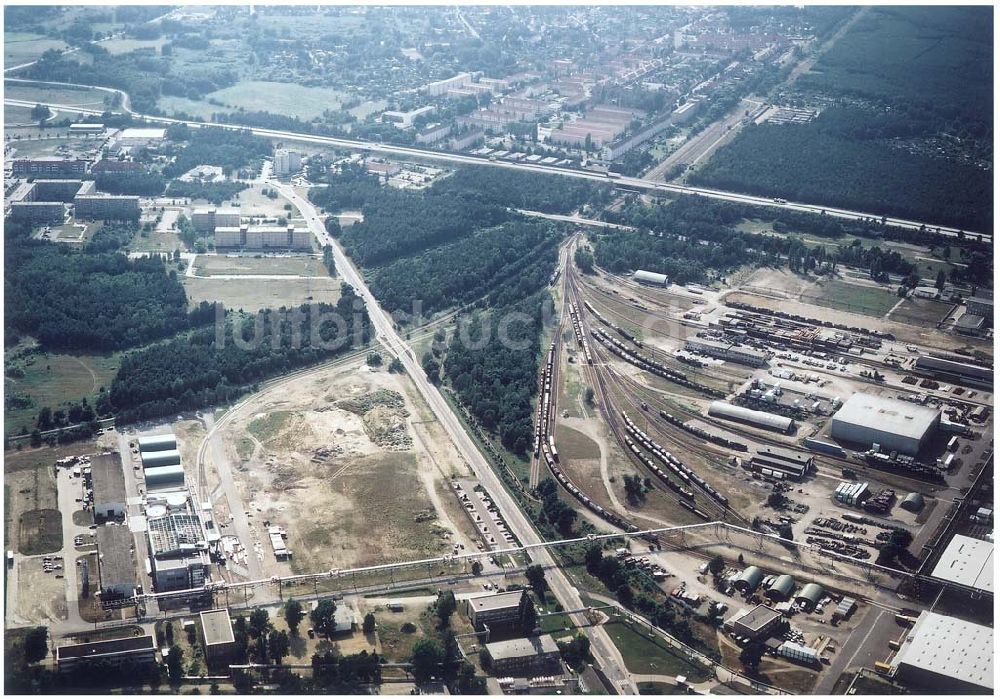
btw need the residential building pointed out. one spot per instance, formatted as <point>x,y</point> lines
<point>980,306</point>
<point>109,655</point>
<point>441,87</point>
<point>405,120</point>
<point>107,481</point>
<point>38,212</point>
<point>49,167</point>
<point>106,207</point>
<point>56,190</point>
<point>433,133</point>
<point>286,162</point>
<point>264,238</point>
<point>524,657</point>
<point>110,166</point>
<point>207,220</point>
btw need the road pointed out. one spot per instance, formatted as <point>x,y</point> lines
<point>518,522</point>
<point>634,183</point>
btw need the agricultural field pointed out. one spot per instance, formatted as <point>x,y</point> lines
<point>20,47</point>
<point>51,380</point>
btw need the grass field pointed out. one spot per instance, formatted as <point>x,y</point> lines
<point>659,688</point>
<point>40,531</point>
<point>212,265</point>
<point>292,100</point>
<point>923,312</point>
<point>55,95</point>
<point>867,300</point>
<point>651,656</point>
<point>19,47</point>
<point>53,379</point>
<point>16,115</point>
<point>252,294</point>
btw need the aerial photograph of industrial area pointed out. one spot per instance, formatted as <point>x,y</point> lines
<point>480,349</point>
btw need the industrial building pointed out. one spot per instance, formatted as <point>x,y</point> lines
<point>495,611</point>
<point>218,638</point>
<point>524,657</point>
<point>178,542</point>
<point>49,167</point>
<point>954,372</point>
<point>749,580</point>
<point>207,220</point>
<point>789,463</point>
<point>760,622</point>
<point>163,477</point>
<point>894,425</point>
<point>264,238</point>
<point>798,653</point>
<point>810,595</point>
<point>115,563</point>
<point>108,655</point>
<point>781,588</point>
<point>158,442</point>
<point>756,418</point>
<point>945,654</point>
<point>86,129</point>
<point>728,351</point>
<point>967,562</point>
<point>164,457</point>
<point>107,479</point>
<point>285,163</point>
<point>653,278</point>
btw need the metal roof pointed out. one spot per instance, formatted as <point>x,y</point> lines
<point>522,647</point>
<point>967,561</point>
<point>641,275</point>
<point>114,550</point>
<point>898,417</point>
<point>758,617</point>
<point>217,627</point>
<point>961,368</point>
<point>130,644</point>
<point>107,478</point>
<point>757,417</point>
<point>810,592</point>
<point>949,647</point>
<point>157,442</point>
<point>165,457</point>
<point>752,576</point>
<point>783,585</point>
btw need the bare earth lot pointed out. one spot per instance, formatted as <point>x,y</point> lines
<point>254,294</point>
<point>354,450</point>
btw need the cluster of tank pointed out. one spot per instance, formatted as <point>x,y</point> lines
<point>704,434</point>
<point>581,339</point>
<point>621,331</point>
<point>545,404</point>
<point>652,366</point>
<point>684,472</point>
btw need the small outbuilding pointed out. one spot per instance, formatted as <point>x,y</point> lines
<point>810,595</point>
<point>781,589</point>
<point>749,580</point>
<point>914,502</point>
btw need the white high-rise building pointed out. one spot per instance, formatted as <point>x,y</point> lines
<point>286,162</point>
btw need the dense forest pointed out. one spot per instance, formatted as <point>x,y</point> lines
<point>90,300</point>
<point>693,238</point>
<point>551,194</point>
<point>230,150</point>
<point>496,376</point>
<point>858,173</point>
<point>466,270</point>
<point>215,192</point>
<point>193,370</point>
<point>143,184</point>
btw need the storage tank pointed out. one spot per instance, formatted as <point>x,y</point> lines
<point>155,459</point>
<point>159,442</point>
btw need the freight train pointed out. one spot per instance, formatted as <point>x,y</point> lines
<point>652,366</point>
<point>621,331</point>
<point>581,339</point>
<point>681,470</point>
<point>544,401</point>
<point>708,436</point>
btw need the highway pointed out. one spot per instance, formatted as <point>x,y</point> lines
<point>633,183</point>
<point>568,596</point>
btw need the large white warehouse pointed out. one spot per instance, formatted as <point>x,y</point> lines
<point>895,425</point>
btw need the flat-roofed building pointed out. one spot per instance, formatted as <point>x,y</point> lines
<point>967,562</point>
<point>106,207</point>
<point>955,371</point>
<point>38,212</point>
<point>524,657</point>
<point>942,653</point>
<point>49,167</point>
<point>759,622</point>
<point>57,190</point>
<point>107,480</point>
<point>115,563</point>
<point>728,351</point>
<point>218,638</point>
<point>895,425</point>
<point>207,220</point>
<point>264,238</point>
<point>495,611</point>
<point>141,136</point>
<point>793,464</point>
<point>979,306</point>
<point>116,653</point>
